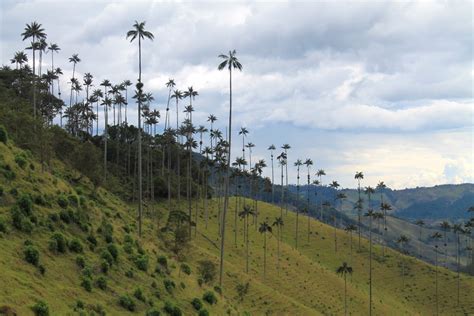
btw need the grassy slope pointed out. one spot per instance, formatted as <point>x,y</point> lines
<point>305,285</point>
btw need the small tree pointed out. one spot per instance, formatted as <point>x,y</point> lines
<point>344,269</point>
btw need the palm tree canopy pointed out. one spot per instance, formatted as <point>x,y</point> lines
<point>139,31</point>
<point>230,61</point>
<point>344,269</point>
<point>264,228</point>
<point>359,175</point>
<point>33,30</point>
<point>271,147</point>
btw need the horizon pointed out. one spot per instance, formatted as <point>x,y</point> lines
<point>383,98</point>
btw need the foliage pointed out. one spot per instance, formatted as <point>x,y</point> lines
<point>141,262</point>
<point>171,309</point>
<point>185,268</point>
<point>58,243</point>
<point>41,308</point>
<point>101,283</point>
<point>138,293</point>
<point>3,134</point>
<point>80,261</point>
<point>31,254</point>
<point>207,270</point>
<point>127,302</point>
<point>209,297</point>
<point>242,290</point>
<point>197,304</point>
<point>169,285</point>
<point>75,245</point>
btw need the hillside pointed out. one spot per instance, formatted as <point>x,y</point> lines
<point>306,284</point>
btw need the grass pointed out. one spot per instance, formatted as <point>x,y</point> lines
<point>306,284</point>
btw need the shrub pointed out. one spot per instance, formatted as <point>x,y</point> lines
<point>73,200</point>
<point>169,285</point>
<point>153,312</point>
<point>139,295</point>
<point>107,257</point>
<point>142,262</point>
<point>81,262</point>
<point>107,230</point>
<point>31,255</point>
<point>62,201</point>
<point>57,243</point>
<point>207,270</point>
<point>40,309</point>
<point>3,134</point>
<point>87,272</point>
<point>42,269</point>
<point>200,281</point>
<point>101,283</point>
<point>20,159</point>
<point>1,191</point>
<point>203,312</point>
<point>129,274</point>
<point>127,302</point>
<point>162,261</point>
<point>128,248</point>
<point>75,246</point>
<point>3,226</point>
<point>104,266</point>
<point>209,297</point>
<point>197,304</point>
<point>87,284</point>
<point>185,268</point>
<point>53,217</point>
<point>113,251</point>
<point>171,310</point>
<point>93,241</point>
<point>25,204</point>
<point>218,289</point>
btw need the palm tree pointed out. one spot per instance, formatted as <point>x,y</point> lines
<point>436,237</point>
<point>73,59</point>
<point>178,95</point>
<point>42,46</point>
<point>344,269</point>
<point>370,214</point>
<point>308,162</point>
<point>403,241</point>
<point>445,226</point>
<point>19,59</point>
<point>286,147</point>
<point>297,164</point>
<point>457,229</point>
<point>264,229</point>
<point>272,148</point>
<point>420,223</point>
<point>384,207</point>
<point>351,228</point>
<point>282,160</point>
<point>53,48</point>
<point>244,131</point>
<point>231,62</point>
<point>359,176</point>
<point>245,214</point>
<point>35,32</point>
<point>279,224</point>
<point>319,174</point>
<point>340,197</point>
<point>139,32</point>
<point>170,85</point>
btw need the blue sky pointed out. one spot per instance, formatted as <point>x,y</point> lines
<point>379,87</point>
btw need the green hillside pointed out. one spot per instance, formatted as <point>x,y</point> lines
<point>86,215</point>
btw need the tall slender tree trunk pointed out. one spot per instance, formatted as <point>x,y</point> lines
<point>345,294</point>
<point>264,255</point>
<point>370,265</point>
<point>226,185</point>
<point>273,181</point>
<point>358,212</point>
<point>140,188</point>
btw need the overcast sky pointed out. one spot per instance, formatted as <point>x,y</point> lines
<point>380,87</point>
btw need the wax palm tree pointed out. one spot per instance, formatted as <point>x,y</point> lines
<point>34,31</point>
<point>211,118</point>
<point>403,241</point>
<point>420,223</point>
<point>258,170</point>
<point>359,176</point>
<point>286,147</point>
<point>272,148</point>
<point>42,46</point>
<point>308,162</point>
<point>250,146</point>
<point>320,174</point>
<point>264,229</point>
<point>279,224</point>
<point>19,59</point>
<point>243,132</point>
<point>53,48</point>
<point>231,62</point>
<point>139,32</point>
<point>282,160</point>
<point>344,270</point>
<point>340,197</point>
<point>370,214</point>
<point>350,228</point>
<point>170,85</point>
<point>73,59</point>
<point>245,214</point>
<point>446,227</point>
<point>458,230</point>
<point>297,164</point>
<point>436,237</point>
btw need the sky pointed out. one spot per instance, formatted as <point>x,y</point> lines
<point>380,87</point>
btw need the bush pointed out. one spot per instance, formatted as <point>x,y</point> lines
<point>197,304</point>
<point>25,204</point>
<point>162,261</point>
<point>31,255</point>
<point>3,226</point>
<point>57,243</point>
<point>107,257</point>
<point>42,269</point>
<point>218,289</point>
<point>93,241</point>
<point>101,283</point>
<point>153,312</point>
<point>169,285</point>
<point>113,251</point>
<point>142,262</point>
<point>87,284</point>
<point>129,274</point>
<point>75,246</point>
<point>127,302</point>
<point>209,297</point>
<point>200,281</point>
<point>185,268</point>
<point>104,266</point>
<point>171,310</point>
<point>73,200</point>
<point>207,270</point>
<point>66,215</point>
<point>20,221</point>
<point>3,134</point>
<point>87,272</point>
<point>203,312</point>
<point>40,309</point>
<point>62,201</point>
<point>2,190</point>
<point>20,159</point>
<point>139,295</point>
<point>81,262</point>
